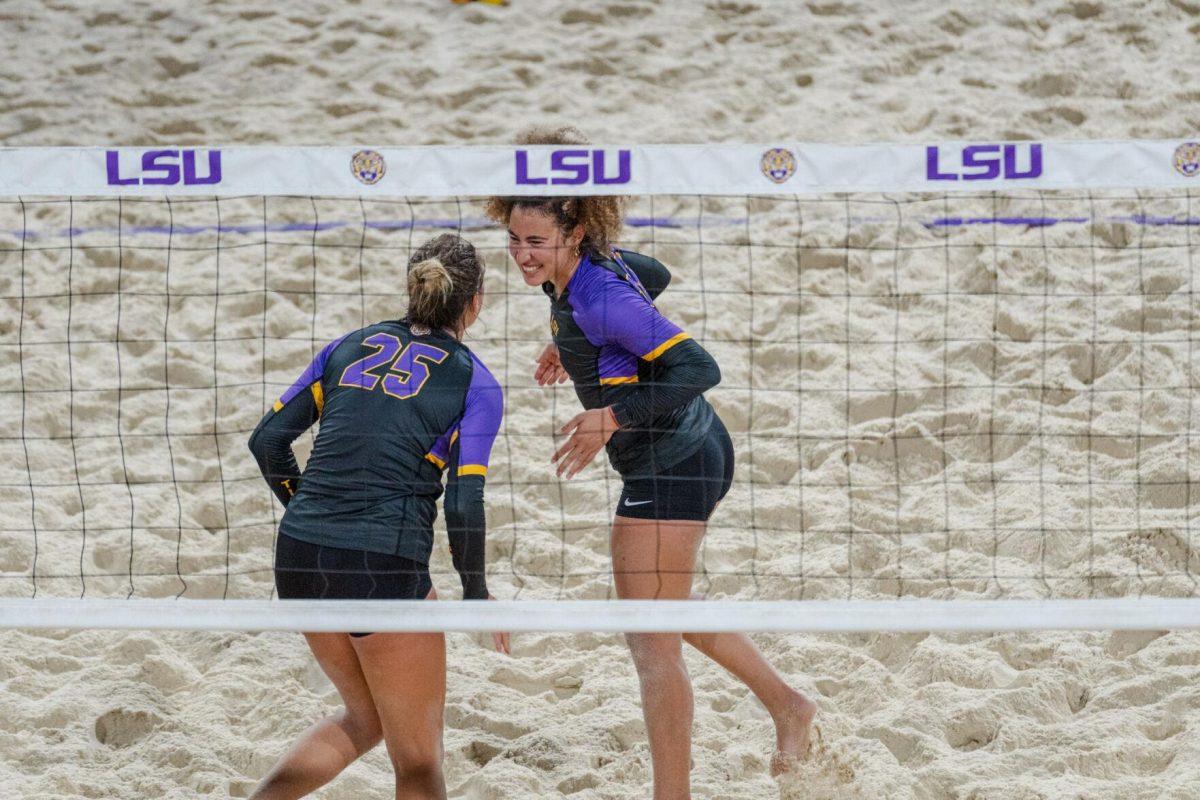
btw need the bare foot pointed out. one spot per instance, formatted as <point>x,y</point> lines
<point>793,734</point>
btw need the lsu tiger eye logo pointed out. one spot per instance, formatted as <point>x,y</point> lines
<point>368,166</point>
<point>1187,159</point>
<point>553,327</point>
<point>778,164</point>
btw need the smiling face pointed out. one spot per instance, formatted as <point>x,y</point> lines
<point>540,249</point>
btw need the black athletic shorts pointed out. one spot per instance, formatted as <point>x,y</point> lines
<point>689,490</point>
<point>305,571</point>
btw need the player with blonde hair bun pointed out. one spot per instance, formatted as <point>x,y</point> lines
<point>400,403</point>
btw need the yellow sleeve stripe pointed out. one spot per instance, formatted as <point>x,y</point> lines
<point>453,438</point>
<point>437,462</point>
<point>319,396</point>
<point>472,469</point>
<point>619,379</point>
<point>277,407</point>
<point>667,345</point>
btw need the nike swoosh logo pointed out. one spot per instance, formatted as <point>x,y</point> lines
<point>638,503</point>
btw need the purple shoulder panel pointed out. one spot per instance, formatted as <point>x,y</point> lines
<point>313,372</point>
<point>611,310</point>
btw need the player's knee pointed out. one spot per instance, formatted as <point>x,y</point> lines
<point>653,645</point>
<point>418,771</point>
<point>363,727</point>
<point>655,654</point>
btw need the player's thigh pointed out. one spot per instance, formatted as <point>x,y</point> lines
<point>406,673</point>
<point>655,559</point>
<point>340,662</point>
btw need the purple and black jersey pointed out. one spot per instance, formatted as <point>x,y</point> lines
<point>621,352</point>
<point>396,410</point>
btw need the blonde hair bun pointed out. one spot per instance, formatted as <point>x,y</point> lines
<point>443,275</point>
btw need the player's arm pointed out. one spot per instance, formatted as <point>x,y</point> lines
<point>688,371</point>
<point>470,451</point>
<point>271,443</point>
<point>685,369</point>
<point>291,415</point>
<point>653,276</point>
<point>622,315</point>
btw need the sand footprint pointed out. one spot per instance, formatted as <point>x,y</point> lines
<point>578,783</point>
<point>168,674</point>
<point>459,716</point>
<point>971,733</point>
<point>1049,85</point>
<point>51,663</point>
<point>1162,728</point>
<point>538,752</point>
<point>122,727</point>
<point>723,702</point>
<point>134,649</point>
<point>626,734</point>
<point>531,685</point>
<point>825,775</point>
<point>481,752</point>
<point>902,744</point>
<point>578,16</point>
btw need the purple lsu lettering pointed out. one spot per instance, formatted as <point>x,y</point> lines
<point>162,168</point>
<point>985,162</point>
<point>575,167</point>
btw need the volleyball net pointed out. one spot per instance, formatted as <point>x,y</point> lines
<point>960,379</point>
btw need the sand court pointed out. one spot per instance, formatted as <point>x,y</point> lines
<point>938,410</point>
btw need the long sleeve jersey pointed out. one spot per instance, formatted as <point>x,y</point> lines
<point>397,410</point>
<point>620,351</point>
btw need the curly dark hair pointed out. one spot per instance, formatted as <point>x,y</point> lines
<point>600,216</point>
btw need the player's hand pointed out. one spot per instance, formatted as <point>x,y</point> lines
<point>500,639</point>
<point>549,367</point>
<point>588,432</point>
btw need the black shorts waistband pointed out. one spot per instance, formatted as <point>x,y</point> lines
<point>306,571</point>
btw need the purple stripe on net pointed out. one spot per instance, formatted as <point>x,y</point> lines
<point>1041,222</point>
<point>1031,222</point>
<point>1144,219</point>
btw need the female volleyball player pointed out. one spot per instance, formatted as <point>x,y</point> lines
<point>399,402</point>
<point>641,380</point>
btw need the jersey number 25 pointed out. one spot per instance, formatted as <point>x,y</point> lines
<point>402,370</point>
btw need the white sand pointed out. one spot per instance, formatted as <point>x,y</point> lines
<point>103,715</point>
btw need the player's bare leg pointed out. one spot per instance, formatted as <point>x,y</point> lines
<point>791,710</point>
<point>331,745</point>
